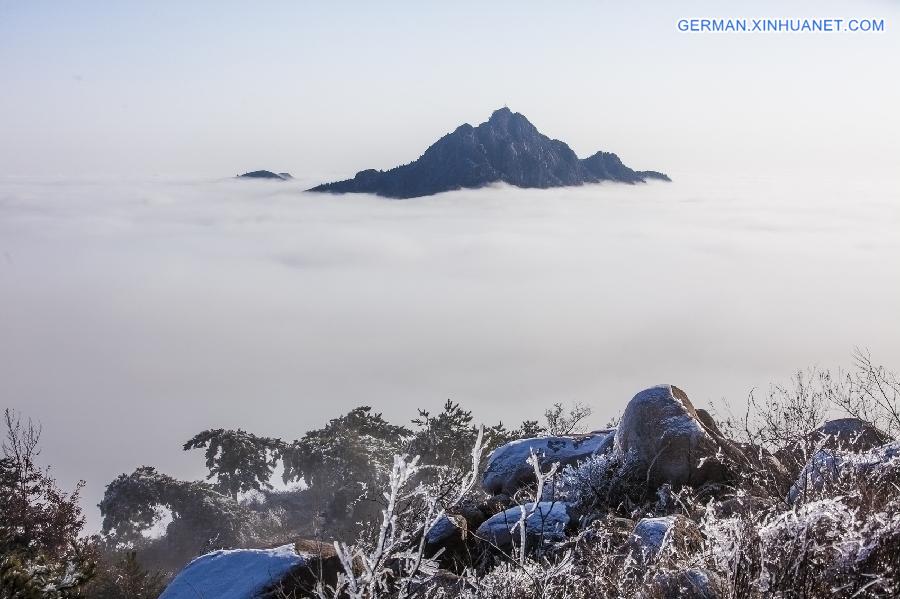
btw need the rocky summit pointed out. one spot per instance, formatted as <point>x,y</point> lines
<point>506,148</point>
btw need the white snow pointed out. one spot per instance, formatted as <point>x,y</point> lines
<point>232,574</point>
<point>508,464</point>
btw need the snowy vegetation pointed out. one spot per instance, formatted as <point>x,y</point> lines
<point>796,496</point>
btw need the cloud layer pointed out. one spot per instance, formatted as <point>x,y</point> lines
<point>138,312</point>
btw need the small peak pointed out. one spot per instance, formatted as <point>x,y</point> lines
<point>501,113</point>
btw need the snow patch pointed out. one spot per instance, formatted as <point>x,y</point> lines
<point>232,574</point>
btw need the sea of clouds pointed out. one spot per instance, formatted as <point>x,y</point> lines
<point>137,312</point>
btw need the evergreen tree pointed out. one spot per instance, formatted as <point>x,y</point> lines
<point>203,518</point>
<point>239,461</point>
<point>344,463</point>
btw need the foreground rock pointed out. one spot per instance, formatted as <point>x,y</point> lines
<point>233,574</point>
<point>663,434</point>
<point>508,469</point>
<point>266,175</point>
<point>289,571</point>
<point>507,148</point>
<point>548,522</point>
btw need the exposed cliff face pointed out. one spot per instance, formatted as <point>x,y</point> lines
<point>506,148</point>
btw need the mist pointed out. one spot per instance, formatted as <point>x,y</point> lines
<point>137,312</point>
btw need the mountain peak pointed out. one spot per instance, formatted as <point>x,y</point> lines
<point>506,148</point>
<point>501,113</point>
<point>503,117</point>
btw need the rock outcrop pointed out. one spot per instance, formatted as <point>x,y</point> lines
<point>662,434</point>
<point>506,148</point>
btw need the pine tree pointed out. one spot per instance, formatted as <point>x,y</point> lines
<point>239,461</point>
<point>344,463</point>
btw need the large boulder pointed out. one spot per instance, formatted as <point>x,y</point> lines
<point>508,469</point>
<point>291,570</point>
<point>547,521</point>
<point>663,434</point>
<point>233,574</point>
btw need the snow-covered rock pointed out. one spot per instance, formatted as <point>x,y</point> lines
<point>827,467</point>
<point>548,520</point>
<point>651,534</point>
<point>662,432</point>
<point>508,470</point>
<point>445,528</point>
<point>233,574</point>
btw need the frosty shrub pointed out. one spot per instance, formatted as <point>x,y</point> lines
<point>562,422</point>
<point>602,482</point>
<point>393,562</point>
<point>869,392</point>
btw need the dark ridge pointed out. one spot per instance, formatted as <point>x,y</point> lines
<point>265,175</point>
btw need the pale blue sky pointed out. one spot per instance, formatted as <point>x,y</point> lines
<point>325,89</point>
